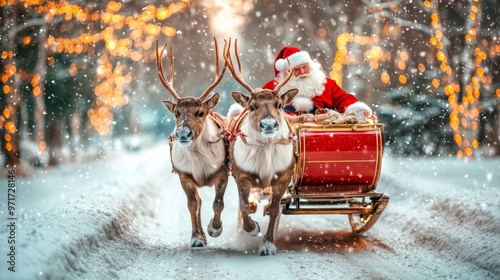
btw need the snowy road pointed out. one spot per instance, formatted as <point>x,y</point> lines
<point>125,217</point>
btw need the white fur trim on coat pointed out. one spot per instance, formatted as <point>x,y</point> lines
<point>302,104</point>
<point>359,107</point>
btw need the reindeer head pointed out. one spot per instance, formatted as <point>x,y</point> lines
<point>265,109</point>
<point>265,106</point>
<point>190,112</point>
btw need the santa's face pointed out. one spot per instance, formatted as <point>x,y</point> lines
<point>308,78</point>
<point>301,71</point>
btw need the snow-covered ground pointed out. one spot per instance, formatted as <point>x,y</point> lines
<point>125,217</point>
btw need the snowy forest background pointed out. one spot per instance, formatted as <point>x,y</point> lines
<point>79,78</point>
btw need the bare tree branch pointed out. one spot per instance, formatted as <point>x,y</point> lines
<point>30,23</point>
<point>372,3</point>
<point>413,25</point>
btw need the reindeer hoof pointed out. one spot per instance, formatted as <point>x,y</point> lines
<point>255,231</point>
<point>212,231</point>
<point>197,242</point>
<point>267,248</point>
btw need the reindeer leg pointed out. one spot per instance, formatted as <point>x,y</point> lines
<point>215,225</point>
<point>250,226</point>
<point>198,238</point>
<point>267,246</point>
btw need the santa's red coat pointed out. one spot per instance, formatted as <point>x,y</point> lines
<point>333,96</point>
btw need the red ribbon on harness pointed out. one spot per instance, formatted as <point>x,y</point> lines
<point>233,136</point>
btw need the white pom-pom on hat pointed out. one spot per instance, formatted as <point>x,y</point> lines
<point>281,64</point>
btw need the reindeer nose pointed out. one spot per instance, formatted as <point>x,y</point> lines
<point>183,134</point>
<point>268,125</point>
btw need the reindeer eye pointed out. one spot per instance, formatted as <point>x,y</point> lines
<point>279,105</point>
<point>251,108</point>
<point>200,114</point>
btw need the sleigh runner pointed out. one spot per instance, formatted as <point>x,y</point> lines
<point>337,171</point>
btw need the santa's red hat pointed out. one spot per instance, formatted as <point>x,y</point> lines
<point>290,57</point>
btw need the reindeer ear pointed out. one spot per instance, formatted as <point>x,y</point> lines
<point>169,105</point>
<point>240,98</point>
<point>288,96</point>
<point>212,101</point>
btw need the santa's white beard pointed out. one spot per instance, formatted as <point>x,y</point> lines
<point>309,85</point>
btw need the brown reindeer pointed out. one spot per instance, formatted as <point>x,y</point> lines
<point>198,151</point>
<point>262,157</point>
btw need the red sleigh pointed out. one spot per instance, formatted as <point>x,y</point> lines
<point>337,171</point>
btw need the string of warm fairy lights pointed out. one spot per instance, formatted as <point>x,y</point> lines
<point>141,32</point>
<point>109,91</point>
<point>451,89</point>
<point>108,94</point>
<point>374,56</point>
<point>5,119</point>
<point>342,57</point>
<point>471,103</point>
<point>465,111</point>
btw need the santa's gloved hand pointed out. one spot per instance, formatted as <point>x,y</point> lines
<point>307,117</point>
<point>304,118</point>
<point>359,108</point>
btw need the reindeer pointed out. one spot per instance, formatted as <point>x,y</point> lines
<point>198,151</point>
<point>262,156</point>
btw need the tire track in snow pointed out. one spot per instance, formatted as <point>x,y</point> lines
<point>65,238</point>
<point>455,230</point>
<point>461,235</point>
<point>113,246</point>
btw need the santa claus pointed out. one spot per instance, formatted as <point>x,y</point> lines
<point>316,90</point>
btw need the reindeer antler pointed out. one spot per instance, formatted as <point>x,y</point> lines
<point>229,61</point>
<point>218,76</point>
<point>239,78</point>
<point>168,85</point>
<point>282,83</point>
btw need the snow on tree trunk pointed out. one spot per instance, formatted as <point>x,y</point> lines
<point>38,83</point>
<point>55,138</point>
